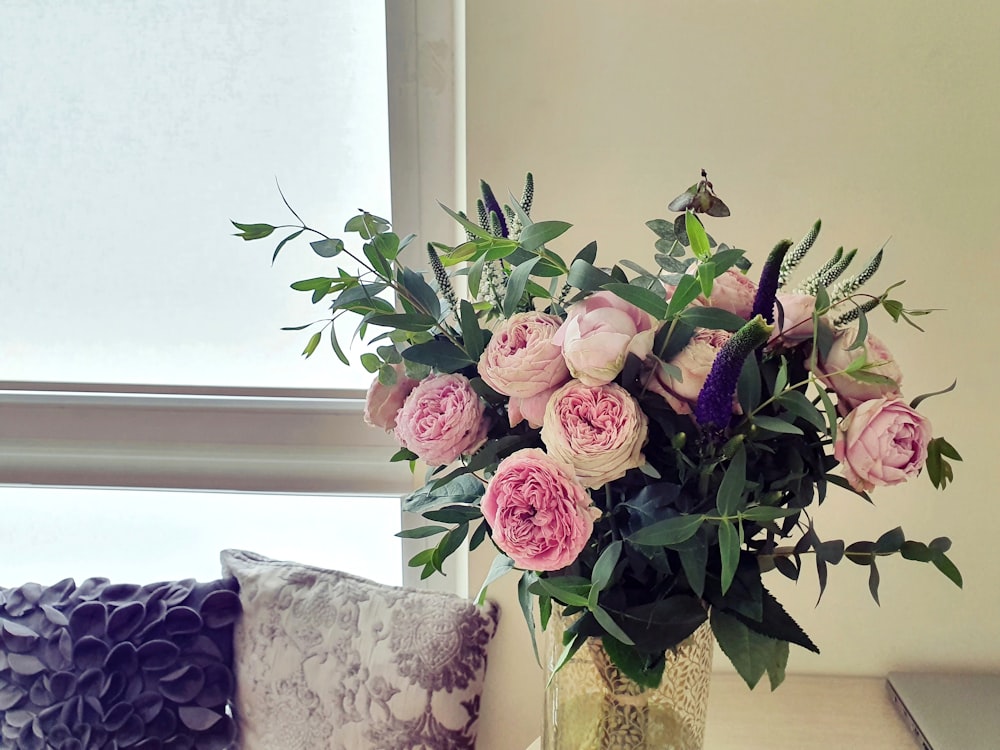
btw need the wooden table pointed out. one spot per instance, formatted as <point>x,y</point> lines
<point>805,713</point>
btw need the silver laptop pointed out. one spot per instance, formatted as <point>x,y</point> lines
<point>949,711</point>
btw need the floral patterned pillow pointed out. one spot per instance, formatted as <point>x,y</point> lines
<point>329,661</point>
<point>104,665</point>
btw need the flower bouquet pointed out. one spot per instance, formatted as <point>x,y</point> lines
<point>641,443</point>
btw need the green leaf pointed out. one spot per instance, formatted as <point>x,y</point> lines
<point>687,291</point>
<point>421,532</point>
<point>440,354</point>
<point>919,399</point>
<point>586,277</point>
<point>831,412</point>
<point>633,665</point>
<point>712,317</point>
<point>448,545</point>
<point>890,542</point>
<point>706,277</point>
<point>642,298</point>
<point>421,291</point>
<point>462,489</point>
<point>776,424</point>
<point>404,321</point>
<point>515,285</point>
<point>527,603</point>
<point>873,581</point>
<point>535,235</point>
<point>588,254</point>
<point>611,627</point>
<point>568,590</point>
<point>284,242</point>
<point>472,334</point>
<point>454,514</point>
<point>605,566</point>
<point>696,234</point>
<point>312,344</point>
<point>370,362</point>
<point>471,227</point>
<point>776,665</point>
<point>748,386</point>
<point>500,567</point>
<point>798,405</point>
<point>730,494</point>
<point>751,653</point>
<point>667,532</point>
<point>336,346</point>
<point>568,652</point>
<point>326,248</point>
<point>253,231</point>
<point>729,553</point>
<point>946,566</point>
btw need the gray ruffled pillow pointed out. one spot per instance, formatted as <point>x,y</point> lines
<point>104,665</point>
<point>329,661</point>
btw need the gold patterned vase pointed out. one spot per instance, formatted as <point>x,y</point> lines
<point>591,705</point>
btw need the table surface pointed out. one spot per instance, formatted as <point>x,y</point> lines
<point>805,713</point>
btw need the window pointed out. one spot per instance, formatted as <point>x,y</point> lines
<point>132,134</point>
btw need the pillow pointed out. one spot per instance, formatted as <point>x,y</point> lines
<point>329,661</point>
<point>104,665</point>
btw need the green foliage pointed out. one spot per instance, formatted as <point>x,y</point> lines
<point>687,535</point>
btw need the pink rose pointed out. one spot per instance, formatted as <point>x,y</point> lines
<point>530,409</point>
<point>882,442</point>
<point>794,325</point>
<point>442,419</point>
<point>599,430</point>
<point>521,359</point>
<point>383,402</point>
<point>734,292</point>
<point>599,332</point>
<point>540,516</point>
<point>850,390</point>
<point>694,362</point>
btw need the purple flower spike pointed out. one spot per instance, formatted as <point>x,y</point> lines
<point>715,401</point>
<point>493,207</point>
<point>767,288</point>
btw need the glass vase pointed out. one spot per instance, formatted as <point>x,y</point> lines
<point>591,705</point>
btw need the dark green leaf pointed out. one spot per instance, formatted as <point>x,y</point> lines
<point>946,566</point>
<point>515,285</point>
<point>730,494</point>
<point>462,489</point>
<point>605,566</point>
<point>667,532</point>
<point>919,399</point>
<point>764,513</point>
<point>642,298</point>
<point>478,536</point>
<point>891,541</point>
<point>421,532</point>
<point>284,242</point>
<point>798,405</point>
<point>336,346</point>
<point>588,254</point>
<point>751,653</point>
<point>440,354</point>
<point>729,553</point>
<point>748,386</point>
<point>830,552</point>
<point>611,627</point>
<point>404,321</point>
<point>587,278</point>
<point>527,603</point>
<point>326,248</point>
<point>713,317</point>
<point>572,591</point>
<point>633,665</point>
<point>916,551</point>
<point>776,424</point>
<point>448,545</point>
<point>471,227</point>
<point>472,335</point>
<point>686,292</point>
<point>421,292</point>
<point>454,514</point>
<point>873,581</point>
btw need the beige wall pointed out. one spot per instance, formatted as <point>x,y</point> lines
<point>881,119</point>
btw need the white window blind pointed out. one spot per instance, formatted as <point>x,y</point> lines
<point>131,134</point>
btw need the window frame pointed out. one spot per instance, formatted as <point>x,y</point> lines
<point>266,440</point>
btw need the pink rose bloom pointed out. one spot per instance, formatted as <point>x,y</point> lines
<point>521,359</point>
<point>850,391</point>
<point>734,292</point>
<point>383,402</point>
<point>442,419</point>
<point>796,320</point>
<point>540,516</point>
<point>599,430</point>
<point>695,362</point>
<point>882,442</point>
<point>599,332</point>
<point>530,409</point>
